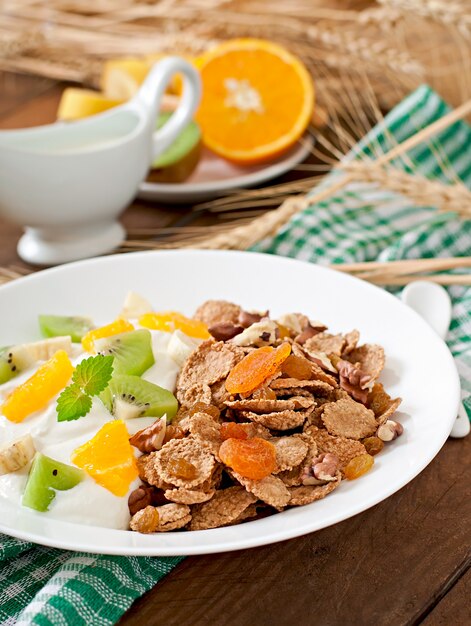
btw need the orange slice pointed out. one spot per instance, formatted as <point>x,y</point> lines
<point>108,458</point>
<point>257,100</point>
<point>115,328</point>
<point>35,393</point>
<point>171,320</point>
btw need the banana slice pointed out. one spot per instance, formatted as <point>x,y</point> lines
<point>24,355</point>
<point>16,455</point>
<point>181,346</point>
<point>135,306</point>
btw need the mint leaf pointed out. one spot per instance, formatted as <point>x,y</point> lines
<point>72,404</point>
<point>93,374</point>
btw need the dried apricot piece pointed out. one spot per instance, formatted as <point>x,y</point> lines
<point>251,458</point>
<point>181,468</point>
<point>358,466</point>
<point>297,367</point>
<point>171,320</point>
<point>256,367</point>
<point>232,430</point>
<point>283,331</point>
<point>373,445</point>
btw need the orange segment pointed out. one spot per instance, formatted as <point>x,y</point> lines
<point>171,320</point>
<point>115,328</point>
<point>257,100</point>
<point>35,393</point>
<point>108,458</point>
<point>255,368</point>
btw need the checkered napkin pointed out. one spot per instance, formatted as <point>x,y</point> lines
<point>46,586</point>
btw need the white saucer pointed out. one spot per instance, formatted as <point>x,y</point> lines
<point>216,177</point>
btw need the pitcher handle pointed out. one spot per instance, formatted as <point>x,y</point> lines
<point>151,92</point>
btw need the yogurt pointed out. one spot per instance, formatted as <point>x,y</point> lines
<point>88,502</point>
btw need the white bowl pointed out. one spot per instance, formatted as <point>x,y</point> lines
<point>418,364</point>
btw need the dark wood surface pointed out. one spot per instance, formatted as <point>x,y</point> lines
<point>404,562</point>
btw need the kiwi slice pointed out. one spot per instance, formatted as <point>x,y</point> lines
<point>127,397</point>
<point>60,326</point>
<point>176,163</point>
<point>45,477</point>
<point>13,360</point>
<point>132,351</point>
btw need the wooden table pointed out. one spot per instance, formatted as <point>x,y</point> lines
<point>405,561</point>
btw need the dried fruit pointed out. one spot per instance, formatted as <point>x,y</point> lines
<point>173,432</point>
<point>358,466</point>
<point>232,430</point>
<point>378,399</point>
<point>145,520</point>
<point>297,367</point>
<point>202,407</point>
<point>253,458</point>
<point>181,468</point>
<point>265,393</point>
<point>373,445</point>
<point>255,368</point>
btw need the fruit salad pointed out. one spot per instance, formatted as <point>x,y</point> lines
<point>158,422</point>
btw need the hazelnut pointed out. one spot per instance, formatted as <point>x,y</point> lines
<point>390,430</point>
<point>139,499</point>
<point>323,468</point>
<point>225,331</point>
<point>247,318</point>
<point>308,332</point>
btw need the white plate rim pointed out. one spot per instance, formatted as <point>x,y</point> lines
<point>142,545</point>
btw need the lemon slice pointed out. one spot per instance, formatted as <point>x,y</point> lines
<point>78,103</point>
<point>121,78</point>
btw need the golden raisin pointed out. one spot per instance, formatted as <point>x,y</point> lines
<point>358,466</point>
<point>283,331</point>
<point>232,430</point>
<point>182,468</point>
<point>252,458</point>
<point>297,367</point>
<point>172,432</point>
<point>265,393</point>
<point>202,407</point>
<point>146,520</point>
<point>378,400</point>
<point>373,445</point>
<point>255,368</point>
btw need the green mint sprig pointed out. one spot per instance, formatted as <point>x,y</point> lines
<point>90,378</point>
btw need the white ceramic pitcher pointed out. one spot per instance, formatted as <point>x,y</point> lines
<point>67,183</point>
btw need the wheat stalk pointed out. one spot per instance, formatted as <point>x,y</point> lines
<point>424,192</point>
<point>449,12</point>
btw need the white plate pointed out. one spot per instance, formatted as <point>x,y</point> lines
<point>418,364</point>
<point>216,177</point>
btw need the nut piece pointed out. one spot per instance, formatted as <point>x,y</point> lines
<point>260,334</point>
<point>323,468</point>
<point>309,331</point>
<point>247,318</point>
<point>225,331</point>
<point>145,521</point>
<point>151,438</point>
<point>139,499</point>
<point>390,430</point>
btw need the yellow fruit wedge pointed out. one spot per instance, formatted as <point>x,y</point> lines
<point>76,104</point>
<point>109,458</point>
<point>115,328</point>
<point>35,393</point>
<point>121,78</point>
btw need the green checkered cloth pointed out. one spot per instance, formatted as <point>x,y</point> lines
<point>362,222</point>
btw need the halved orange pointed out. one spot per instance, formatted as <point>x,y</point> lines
<point>257,100</point>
